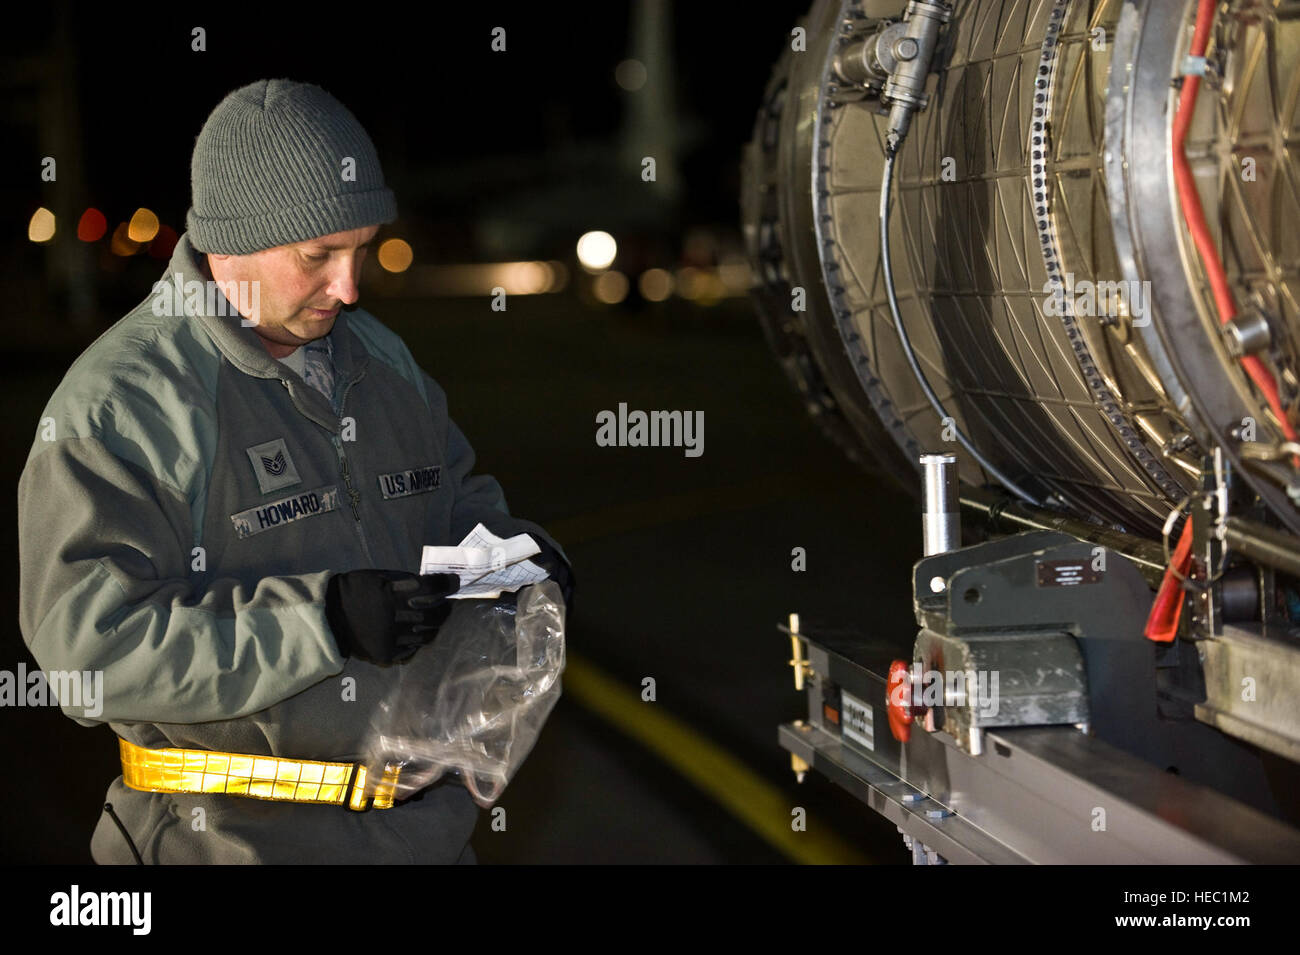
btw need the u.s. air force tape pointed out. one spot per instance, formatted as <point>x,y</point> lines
<point>410,481</point>
<point>286,510</point>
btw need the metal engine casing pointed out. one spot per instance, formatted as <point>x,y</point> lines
<point>1042,157</point>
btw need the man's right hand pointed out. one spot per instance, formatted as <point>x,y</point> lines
<point>385,616</point>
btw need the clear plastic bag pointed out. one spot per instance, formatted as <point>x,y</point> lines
<point>474,700</point>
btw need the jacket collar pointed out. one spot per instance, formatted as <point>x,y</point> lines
<point>239,343</point>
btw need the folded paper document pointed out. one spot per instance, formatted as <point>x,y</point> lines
<point>486,564</point>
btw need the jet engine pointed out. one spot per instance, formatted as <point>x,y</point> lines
<point>1040,260</point>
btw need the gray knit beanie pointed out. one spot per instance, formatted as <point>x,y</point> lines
<point>270,168</point>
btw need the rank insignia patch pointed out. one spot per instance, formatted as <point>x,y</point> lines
<point>273,466</point>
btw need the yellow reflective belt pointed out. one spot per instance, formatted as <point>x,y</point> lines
<point>259,777</point>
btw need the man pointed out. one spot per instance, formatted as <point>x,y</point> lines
<point>223,511</point>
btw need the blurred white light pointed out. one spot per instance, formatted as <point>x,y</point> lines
<point>41,226</point>
<point>596,251</point>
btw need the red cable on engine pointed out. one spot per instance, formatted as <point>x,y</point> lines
<point>1194,215</point>
<point>1162,622</point>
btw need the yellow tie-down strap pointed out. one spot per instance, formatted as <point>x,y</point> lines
<point>259,777</point>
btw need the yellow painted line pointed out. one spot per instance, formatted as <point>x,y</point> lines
<point>750,798</point>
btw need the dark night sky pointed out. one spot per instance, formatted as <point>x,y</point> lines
<point>425,83</point>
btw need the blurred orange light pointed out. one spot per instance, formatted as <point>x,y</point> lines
<point>395,255</point>
<point>143,227</point>
<point>122,244</point>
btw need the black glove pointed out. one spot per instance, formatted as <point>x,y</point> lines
<point>385,616</point>
<point>554,565</point>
